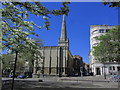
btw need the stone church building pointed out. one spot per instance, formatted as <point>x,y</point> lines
<point>56,60</point>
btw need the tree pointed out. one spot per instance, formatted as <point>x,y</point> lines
<point>108,50</point>
<point>8,64</point>
<point>30,56</point>
<point>109,47</point>
<point>17,30</point>
<point>6,59</point>
<point>114,3</point>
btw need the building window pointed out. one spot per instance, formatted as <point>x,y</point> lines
<point>95,59</point>
<point>110,68</point>
<point>101,31</point>
<point>95,31</point>
<point>95,44</point>
<point>113,68</point>
<point>118,68</point>
<point>107,30</point>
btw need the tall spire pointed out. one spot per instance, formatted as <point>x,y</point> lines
<point>63,40</point>
<point>63,30</point>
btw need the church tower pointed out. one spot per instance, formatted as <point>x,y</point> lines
<point>57,60</point>
<point>63,40</point>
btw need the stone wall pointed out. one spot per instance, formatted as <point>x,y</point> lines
<point>55,60</point>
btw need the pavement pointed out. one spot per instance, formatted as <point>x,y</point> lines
<point>55,78</point>
<point>63,82</point>
<point>85,78</point>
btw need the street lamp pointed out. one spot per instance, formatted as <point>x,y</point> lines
<point>104,71</point>
<point>81,71</point>
<point>26,67</point>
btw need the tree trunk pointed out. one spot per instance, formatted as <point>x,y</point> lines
<point>16,54</point>
<point>104,72</point>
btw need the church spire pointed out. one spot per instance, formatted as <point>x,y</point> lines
<point>63,30</point>
<point>63,40</point>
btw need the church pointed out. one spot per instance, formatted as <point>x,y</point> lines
<point>56,60</point>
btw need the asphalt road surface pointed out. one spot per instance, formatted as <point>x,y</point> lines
<point>49,84</point>
<point>54,83</point>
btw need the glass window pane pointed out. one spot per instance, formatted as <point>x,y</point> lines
<point>113,68</point>
<point>110,68</point>
<point>95,31</point>
<point>101,31</point>
<point>118,68</point>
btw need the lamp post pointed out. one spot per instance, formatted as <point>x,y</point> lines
<point>81,71</point>
<point>26,67</point>
<point>104,71</point>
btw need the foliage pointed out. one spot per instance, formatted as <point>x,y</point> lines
<point>115,3</point>
<point>16,29</point>
<point>7,60</point>
<point>109,47</point>
<point>18,12</point>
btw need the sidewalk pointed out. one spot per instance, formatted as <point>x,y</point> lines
<point>85,78</point>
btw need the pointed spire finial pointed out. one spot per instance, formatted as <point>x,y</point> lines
<point>63,29</point>
<point>63,41</point>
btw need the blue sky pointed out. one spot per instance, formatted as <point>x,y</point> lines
<point>81,16</point>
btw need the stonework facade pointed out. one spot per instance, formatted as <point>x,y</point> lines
<point>78,65</point>
<point>96,67</point>
<point>56,60</point>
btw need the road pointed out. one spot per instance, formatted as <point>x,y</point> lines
<point>56,82</point>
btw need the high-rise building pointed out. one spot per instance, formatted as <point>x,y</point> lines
<point>97,67</point>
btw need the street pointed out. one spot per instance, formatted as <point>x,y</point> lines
<point>56,82</point>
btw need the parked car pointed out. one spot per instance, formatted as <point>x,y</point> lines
<point>91,74</point>
<point>116,77</point>
<point>87,74</point>
<point>22,76</point>
<point>76,75</point>
<point>29,76</point>
<point>11,76</point>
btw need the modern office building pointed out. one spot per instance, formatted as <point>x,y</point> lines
<point>96,67</point>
